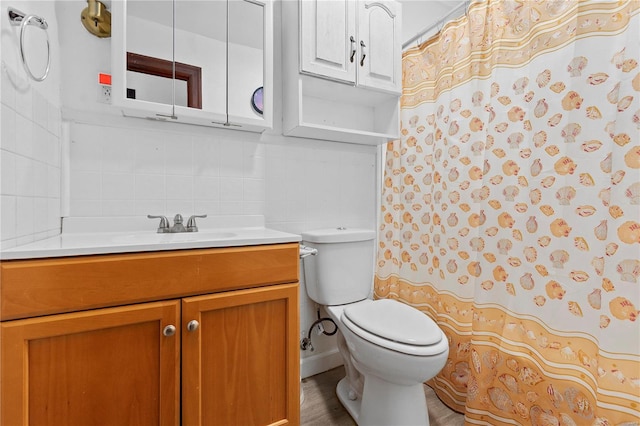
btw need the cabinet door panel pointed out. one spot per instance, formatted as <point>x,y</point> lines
<point>108,367</point>
<point>241,365</point>
<point>326,30</point>
<point>379,30</point>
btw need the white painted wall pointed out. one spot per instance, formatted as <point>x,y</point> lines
<point>420,14</point>
<point>30,122</point>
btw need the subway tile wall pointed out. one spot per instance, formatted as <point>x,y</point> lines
<point>30,162</point>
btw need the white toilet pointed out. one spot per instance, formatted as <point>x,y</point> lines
<point>389,348</point>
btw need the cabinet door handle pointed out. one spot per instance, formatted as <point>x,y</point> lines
<point>193,325</point>
<point>363,52</point>
<point>169,330</point>
<point>353,48</point>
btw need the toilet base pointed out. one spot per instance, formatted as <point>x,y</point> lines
<point>385,403</point>
<point>352,406</point>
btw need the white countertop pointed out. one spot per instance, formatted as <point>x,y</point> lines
<point>79,237</point>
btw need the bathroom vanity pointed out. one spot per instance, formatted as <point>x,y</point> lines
<point>193,336</point>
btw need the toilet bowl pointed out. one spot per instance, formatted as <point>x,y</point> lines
<point>389,348</point>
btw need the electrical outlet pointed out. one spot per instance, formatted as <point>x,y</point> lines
<point>104,93</point>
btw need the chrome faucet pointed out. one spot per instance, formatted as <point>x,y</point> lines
<point>177,225</point>
<point>164,228</point>
<point>191,223</point>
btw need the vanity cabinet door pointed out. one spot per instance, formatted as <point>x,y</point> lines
<point>111,366</point>
<point>240,361</point>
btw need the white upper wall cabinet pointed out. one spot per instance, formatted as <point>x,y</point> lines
<point>355,42</point>
<point>380,40</point>
<point>342,65</point>
<point>328,36</point>
<point>194,62</point>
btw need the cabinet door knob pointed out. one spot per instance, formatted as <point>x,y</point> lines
<point>353,48</point>
<point>363,52</point>
<point>169,330</point>
<point>193,325</point>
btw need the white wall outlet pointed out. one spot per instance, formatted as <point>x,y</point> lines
<point>104,93</point>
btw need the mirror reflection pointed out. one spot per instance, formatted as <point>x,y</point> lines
<point>203,75</point>
<point>246,64</point>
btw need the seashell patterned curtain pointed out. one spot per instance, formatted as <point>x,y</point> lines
<point>511,209</point>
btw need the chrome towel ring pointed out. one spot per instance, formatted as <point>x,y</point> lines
<point>16,18</point>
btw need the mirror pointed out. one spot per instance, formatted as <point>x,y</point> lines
<point>201,41</point>
<point>246,56</point>
<point>212,75</point>
<point>152,79</point>
<point>149,34</point>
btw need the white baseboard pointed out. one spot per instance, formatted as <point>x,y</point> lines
<point>316,364</point>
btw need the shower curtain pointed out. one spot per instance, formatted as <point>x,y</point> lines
<point>511,210</point>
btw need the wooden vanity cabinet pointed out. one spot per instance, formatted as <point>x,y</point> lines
<point>106,366</point>
<point>236,366</point>
<point>212,357</point>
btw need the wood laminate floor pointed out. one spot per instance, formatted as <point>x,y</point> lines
<point>321,406</point>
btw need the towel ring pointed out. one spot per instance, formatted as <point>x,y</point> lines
<point>18,18</point>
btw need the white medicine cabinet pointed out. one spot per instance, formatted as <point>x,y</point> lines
<point>196,62</point>
<point>342,68</point>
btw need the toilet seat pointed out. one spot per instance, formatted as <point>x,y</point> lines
<point>395,326</point>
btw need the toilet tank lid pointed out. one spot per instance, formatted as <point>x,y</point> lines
<point>338,235</point>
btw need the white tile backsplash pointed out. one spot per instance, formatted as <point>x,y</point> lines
<point>8,134</point>
<point>116,156</point>
<point>179,157</point>
<point>295,184</point>
<point>24,136</point>
<point>8,225</point>
<point>117,207</point>
<point>24,100</point>
<point>148,188</point>
<point>24,174</point>
<point>148,154</point>
<point>231,189</point>
<point>206,188</point>
<point>179,187</point>
<point>86,185</point>
<point>26,217</point>
<point>118,186</point>
<point>8,168</point>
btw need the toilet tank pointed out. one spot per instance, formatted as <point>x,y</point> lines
<point>342,271</point>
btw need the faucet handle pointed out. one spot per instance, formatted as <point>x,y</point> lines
<point>191,223</point>
<point>164,223</point>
